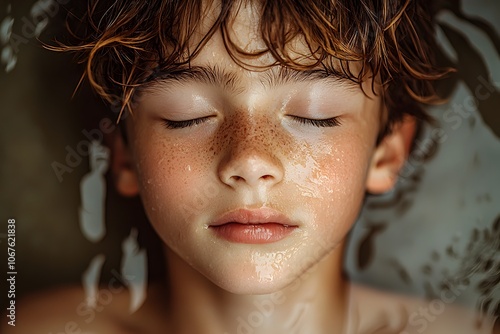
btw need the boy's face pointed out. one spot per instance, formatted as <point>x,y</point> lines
<point>253,147</point>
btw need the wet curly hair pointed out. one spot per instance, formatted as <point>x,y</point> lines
<point>124,44</point>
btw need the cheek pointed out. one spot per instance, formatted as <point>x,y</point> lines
<point>173,178</point>
<point>332,181</point>
<point>347,168</point>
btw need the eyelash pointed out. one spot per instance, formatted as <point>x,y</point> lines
<point>183,124</point>
<point>320,123</point>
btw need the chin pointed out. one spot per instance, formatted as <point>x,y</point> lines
<point>248,280</point>
<point>247,287</point>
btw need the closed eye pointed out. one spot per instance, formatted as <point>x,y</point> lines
<point>320,123</point>
<point>184,124</point>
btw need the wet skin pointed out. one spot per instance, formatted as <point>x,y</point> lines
<point>252,146</point>
<point>220,138</point>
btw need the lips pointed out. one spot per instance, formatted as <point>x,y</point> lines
<point>253,226</point>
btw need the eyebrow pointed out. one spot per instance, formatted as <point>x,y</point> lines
<point>280,75</point>
<point>284,75</point>
<point>210,75</point>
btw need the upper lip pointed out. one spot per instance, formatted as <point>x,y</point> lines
<point>254,216</point>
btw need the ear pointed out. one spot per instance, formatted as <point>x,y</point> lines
<point>390,156</point>
<point>124,174</point>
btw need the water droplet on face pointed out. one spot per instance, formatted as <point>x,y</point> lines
<point>265,266</point>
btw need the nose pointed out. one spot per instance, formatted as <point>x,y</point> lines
<point>250,166</point>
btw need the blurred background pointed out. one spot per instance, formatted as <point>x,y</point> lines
<point>44,157</point>
<point>438,232</point>
<point>439,229</point>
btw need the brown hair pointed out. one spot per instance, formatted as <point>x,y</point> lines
<point>124,43</point>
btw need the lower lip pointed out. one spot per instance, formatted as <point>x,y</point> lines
<point>253,233</point>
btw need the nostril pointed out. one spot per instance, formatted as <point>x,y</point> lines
<point>250,168</point>
<point>250,180</point>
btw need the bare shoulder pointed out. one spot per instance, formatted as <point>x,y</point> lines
<point>67,311</point>
<point>386,312</point>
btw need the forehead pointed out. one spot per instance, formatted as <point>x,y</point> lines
<point>245,27</point>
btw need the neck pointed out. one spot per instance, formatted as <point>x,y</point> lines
<point>315,303</point>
